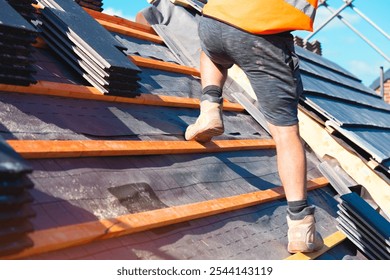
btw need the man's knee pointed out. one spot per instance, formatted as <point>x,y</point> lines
<point>283,134</point>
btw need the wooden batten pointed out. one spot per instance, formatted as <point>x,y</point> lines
<point>130,31</point>
<point>120,21</point>
<point>36,149</point>
<point>165,66</point>
<point>90,93</point>
<point>330,242</point>
<point>80,234</point>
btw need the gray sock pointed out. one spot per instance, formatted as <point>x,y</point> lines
<point>297,206</point>
<point>309,210</point>
<point>212,93</point>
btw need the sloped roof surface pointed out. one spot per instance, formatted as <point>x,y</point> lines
<point>89,191</point>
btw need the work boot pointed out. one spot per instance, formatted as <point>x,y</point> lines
<point>208,124</point>
<point>302,234</point>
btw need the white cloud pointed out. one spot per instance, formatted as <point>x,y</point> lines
<point>119,13</point>
<point>364,70</point>
<point>324,14</point>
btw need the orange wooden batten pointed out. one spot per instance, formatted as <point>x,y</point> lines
<point>79,234</point>
<point>40,43</point>
<point>120,21</point>
<point>329,242</point>
<point>130,31</point>
<point>33,149</point>
<point>90,93</point>
<point>163,65</point>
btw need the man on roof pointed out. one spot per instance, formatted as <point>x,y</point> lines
<point>255,35</point>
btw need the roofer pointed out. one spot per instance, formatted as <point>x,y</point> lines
<point>255,35</point>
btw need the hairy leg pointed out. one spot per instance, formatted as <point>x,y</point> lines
<point>211,73</point>
<point>291,160</point>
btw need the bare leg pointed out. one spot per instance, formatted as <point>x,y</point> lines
<point>210,122</point>
<point>291,160</point>
<point>302,234</point>
<point>211,73</point>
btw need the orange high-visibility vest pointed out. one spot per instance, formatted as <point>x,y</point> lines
<point>264,16</point>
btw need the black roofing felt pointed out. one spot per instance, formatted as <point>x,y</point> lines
<point>45,117</point>
<point>50,67</point>
<point>243,234</point>
<point>133,184</point>
<point>146,49</point>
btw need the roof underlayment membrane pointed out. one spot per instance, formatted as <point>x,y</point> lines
<point>72,191</point>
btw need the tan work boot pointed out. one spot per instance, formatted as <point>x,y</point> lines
<point>208,124</point>
<point>302,235</point>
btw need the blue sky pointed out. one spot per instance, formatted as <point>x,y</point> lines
<point>339,43</point>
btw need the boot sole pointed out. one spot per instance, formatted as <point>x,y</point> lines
<point>206,135</point>
<point>302,247</point>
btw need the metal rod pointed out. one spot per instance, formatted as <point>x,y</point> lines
<point>370,21</point>
<point>347,3</point>
<point>382,82</point>
<point>359,34</point>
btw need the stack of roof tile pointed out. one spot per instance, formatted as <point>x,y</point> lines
<point>25,8</point>
<point>91,4</point>
<point>365,227</point>
<point>89,48</point>
<point>314,47</point>
<point>15,210</point>
<point>16,37</point>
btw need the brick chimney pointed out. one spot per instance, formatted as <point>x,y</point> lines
<point>386,92</point>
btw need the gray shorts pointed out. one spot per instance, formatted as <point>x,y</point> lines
<point>269,61</point>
